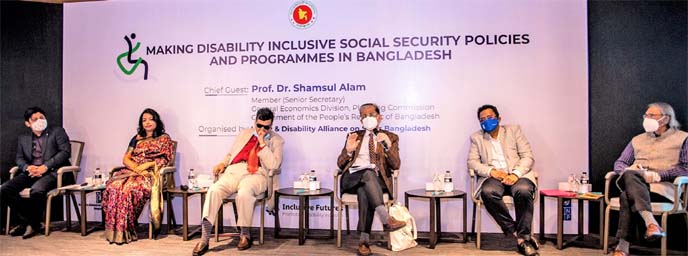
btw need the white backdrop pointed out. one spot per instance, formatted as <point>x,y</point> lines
<point>529,58</point>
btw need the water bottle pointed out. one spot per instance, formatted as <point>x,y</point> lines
<point>97,178</point>
<point>312,181</point>
<point>448,184</point>
<point>584,181</point>
<point>191,179</point>
<point>305,180</point>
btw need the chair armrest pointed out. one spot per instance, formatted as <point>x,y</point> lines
<point>679,183</point>
<point>474,182</point>
<point>14,171</point>
<point>271,189</point>
<point>116,169</point>
<point>336,184</point>
<point>168,170</point>
<point>607,182</point>
<point>65,169</point>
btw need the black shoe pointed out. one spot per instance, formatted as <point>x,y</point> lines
<point>17,230</point>
<point>526,248</point>
<point>534,243</point>
<point>30,232</point>
<point>200,249</point>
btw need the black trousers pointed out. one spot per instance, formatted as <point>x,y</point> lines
<point>30,212</point>
<point>523,192</point>
<point>369,192</point>
<point>635,197</point>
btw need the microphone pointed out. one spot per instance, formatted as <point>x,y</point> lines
<point>384,143</point>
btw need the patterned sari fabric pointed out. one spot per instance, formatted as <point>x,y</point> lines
<point>127,192</point>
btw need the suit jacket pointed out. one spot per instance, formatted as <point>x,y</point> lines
<point>516,149</point>
<point>270,157</point>
<point>390,161</point>
<point>56,151</point>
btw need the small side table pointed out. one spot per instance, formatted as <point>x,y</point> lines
<point>171,193</point>
<point>560,196</point>
<point>435,217</point>
<point>304,196</point>
<point>82,218</point>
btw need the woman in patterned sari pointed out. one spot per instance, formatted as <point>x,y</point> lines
<point>129,188</point>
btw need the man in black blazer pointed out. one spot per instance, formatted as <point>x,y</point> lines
<point>39,154</point>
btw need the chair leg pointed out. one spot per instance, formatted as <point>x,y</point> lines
<point>348,231</point>
<point>664,238</point>
<point>605,242</point>
<point>7,225</point>
<point>477,227</point>
<point>47,215</point>
<point>262,221</point>
<point>236,216</point>
<point>339,225</point>
<point>473,220</point>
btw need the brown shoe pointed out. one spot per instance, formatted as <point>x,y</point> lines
<point>364,249</point>
<point>200,248</point>
<point>654,232</point>
<point>618,252</point>
<point>393,224</point>
<point>244,243</point>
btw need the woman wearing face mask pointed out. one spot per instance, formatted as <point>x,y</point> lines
<point>127,192</point>
<point>648,165</point>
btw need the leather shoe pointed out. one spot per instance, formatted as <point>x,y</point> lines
<point>29,233</point>
<point>393,224</point>
<point>17,230</point>
<point>618,252</point>
<point>526,248</point>
<point>200,248</point>
<point>534,243</point>
<point>364,249</point>
<point>654,232</point>
<point>244,243</point>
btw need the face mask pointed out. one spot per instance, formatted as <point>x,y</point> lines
<point>369,123</point>
<point>489,124</point>
<point>650,124</point>
<point>39,125</point>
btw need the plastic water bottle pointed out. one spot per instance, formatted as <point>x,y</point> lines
<point>448,184</point>
<point>572,182</point>
<point>584,178</point>
<point>312,181</point>
<point>437,182</point>
<point>191,179</point>
<point>97,178</point>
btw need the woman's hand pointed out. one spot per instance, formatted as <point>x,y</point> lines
<point>144,166</point>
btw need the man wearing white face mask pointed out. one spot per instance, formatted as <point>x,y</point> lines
<point>367,171</point>
<point>39,154</point>
<point>647,164</point>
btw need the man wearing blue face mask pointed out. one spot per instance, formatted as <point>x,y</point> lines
<point>501,156</point>
<point>648,165</point>
<point>367,172</point>
<point>39,154</point>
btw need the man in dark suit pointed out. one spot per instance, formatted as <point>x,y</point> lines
<point>39,154</point>
<point>367,172</point>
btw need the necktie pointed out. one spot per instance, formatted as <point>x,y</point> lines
<point>253,159</point>
<point>371,151</point>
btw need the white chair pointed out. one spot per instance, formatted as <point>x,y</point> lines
<point>261,200</point>
<point>166,181</point>
<point>478,202</point>
<point>77,148</point>
<point>347,199</point>
<point>680,185</point>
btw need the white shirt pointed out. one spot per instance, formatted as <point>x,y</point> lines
<point>363,157</point>
<point>498,159</point>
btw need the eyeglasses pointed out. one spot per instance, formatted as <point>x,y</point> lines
<point>653,116</point>
<point>266,127</point>
<point>486,117</point>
